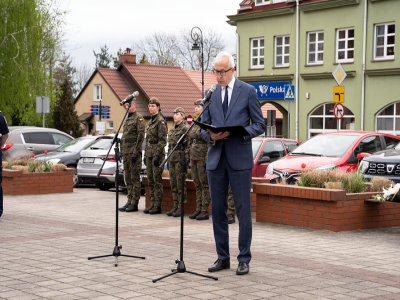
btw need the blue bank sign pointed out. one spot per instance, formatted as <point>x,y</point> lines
<point>270,90</point>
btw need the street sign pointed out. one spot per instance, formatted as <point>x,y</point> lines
<point>100,126</point>
<point>189,119</point>
<point>105,113</point>
<point>103,109</point>
<point>105,117</point>
<point>289,92</point>
<point>338,111</point>
<point>338,94</point>
<point>42,104</point>
<point>94,113</point>
<point>97,106</point>
<point>339,74</point>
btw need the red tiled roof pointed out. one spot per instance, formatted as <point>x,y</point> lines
<point>269,106</point>
<point>169,84</point>
<point>195,76</point>
<point>116,82</point>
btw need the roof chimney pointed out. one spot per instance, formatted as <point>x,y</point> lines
<point>127,57</point>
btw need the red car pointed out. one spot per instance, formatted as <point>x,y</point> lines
<point>268,150</point>
<point>329,151</point>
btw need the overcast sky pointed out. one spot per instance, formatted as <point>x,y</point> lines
<point>120,23</point>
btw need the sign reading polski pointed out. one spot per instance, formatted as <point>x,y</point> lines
<point>270,90</point>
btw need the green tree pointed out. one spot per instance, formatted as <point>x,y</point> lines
<point>117,58</point>
<point>65,117</point>
<point>144,60</point>
<point>64,70</point>
<point>103,58</point>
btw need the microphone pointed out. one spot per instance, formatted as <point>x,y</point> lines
<point>210,91</point>
<point>129,98</point>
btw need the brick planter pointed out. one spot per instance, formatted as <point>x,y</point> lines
<point>190,207</point>
<point>322,208</point>
<point>18,183</point>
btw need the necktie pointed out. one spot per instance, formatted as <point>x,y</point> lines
<point>225,103</point>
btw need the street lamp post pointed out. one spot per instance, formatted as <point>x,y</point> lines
<point>197,37</point>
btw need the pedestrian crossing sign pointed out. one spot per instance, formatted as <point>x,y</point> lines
<point>289,92</point>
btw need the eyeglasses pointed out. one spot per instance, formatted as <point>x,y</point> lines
<point>222,72</point>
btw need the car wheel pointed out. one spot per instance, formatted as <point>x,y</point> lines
<point>104,186</point>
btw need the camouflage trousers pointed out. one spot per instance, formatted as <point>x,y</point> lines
<point>154,176</point>
<point>175,179</point>
<point>199,175</point>
<point>132,178</point>
<point>231,203</point>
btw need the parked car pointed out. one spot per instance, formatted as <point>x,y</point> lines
<point>32,140</point>
<point>68,154</point>
<point>329,151</point>
<point>268,150</point>
<point>384,163</point>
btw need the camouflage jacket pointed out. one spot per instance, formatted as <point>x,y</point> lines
<point>133,129</point>
<point>197,151</point>
<point>173,137</point>
<point>156,131</point>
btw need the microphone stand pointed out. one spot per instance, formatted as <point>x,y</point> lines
<point>117,247</point>
<point>181,144</point>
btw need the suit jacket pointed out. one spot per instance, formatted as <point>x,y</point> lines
<point>245,110</point>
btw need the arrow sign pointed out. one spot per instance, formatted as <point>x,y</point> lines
<point>102,110</point>
<point>339,111</point>
<point>105,117</point>
<point>189,119</point>
<point>105,113</point>
<point>94,113</point>
<point>97,106</point>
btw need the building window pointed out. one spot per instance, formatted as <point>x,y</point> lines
<point>388,119</point>
<point>257,53</point>
<point>97,92</point>
<point>262,2</point>
<point>345,45</point>
<point>315,47</point>
<point>110,125</point>
<point>384,41</point>
<point>282,51</point>
<point>322,119</point>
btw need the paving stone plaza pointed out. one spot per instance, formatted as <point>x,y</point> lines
<point>45,241</point>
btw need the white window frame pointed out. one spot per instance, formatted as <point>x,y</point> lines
<point>316,48</point>
<point>278,1</point>
<point>263,2</point>
<point>108,125</point>
<point>95,90</point>
<point>385,45</point>
<point>283,54</point>
<point>394,117</point>
<point>346,42</point>
<point>259,56</point>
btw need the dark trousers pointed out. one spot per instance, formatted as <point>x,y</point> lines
<point>240,181</point>
<point>1,191</point>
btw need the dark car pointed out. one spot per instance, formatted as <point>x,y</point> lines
<point>383,163</point>
<point>68,154</point>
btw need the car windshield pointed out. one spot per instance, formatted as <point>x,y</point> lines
<point>75,145</point>
<point>101,144</point>
<point>255,145</point>
<point>334,145</point>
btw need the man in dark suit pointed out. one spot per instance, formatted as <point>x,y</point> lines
<point>230,159</point>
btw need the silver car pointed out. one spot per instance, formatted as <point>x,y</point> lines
<point>24,140</point>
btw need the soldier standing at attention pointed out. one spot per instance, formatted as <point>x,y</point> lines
<point>198,156</point>
<point>156,140</point>
<point>4,136</point>
<point>174,135</point>
<point>131,149</point>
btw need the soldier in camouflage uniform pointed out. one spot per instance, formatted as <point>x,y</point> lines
<point>131,150</point>
<point>174,135</point>
<point>156,140</point>
<point>231,207</point>
<point>198,156</point>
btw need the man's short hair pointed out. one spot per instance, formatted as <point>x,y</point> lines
<point>223,54</point>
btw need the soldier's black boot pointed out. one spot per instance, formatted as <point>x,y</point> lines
<point>177,213</point>
<point>195,214</point>
<point>172,211</point>
<point>203,216</point>
<point>123,208</point>
<point>155,210</point>
<point>147,210</point>
<point>131,208</point>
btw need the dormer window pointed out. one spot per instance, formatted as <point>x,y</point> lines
<point>262,2</point>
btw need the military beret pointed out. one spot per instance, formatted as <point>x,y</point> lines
<point>179,110</point>
<point>198,102</point>
<point>154,100</point>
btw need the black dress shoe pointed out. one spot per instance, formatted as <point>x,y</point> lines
<point>243,268</point>
<point>123,208</point>
<point>195,214</point>
<point>220,265</point>
<point>171,211</point>
<point>131,208</point>
<point>203,216</point>
<point>155,210</point>
<point>147,210</point>
<point>231,219</point>
<point>177,213</point>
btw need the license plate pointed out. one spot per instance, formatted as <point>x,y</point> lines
<point>88,160</point>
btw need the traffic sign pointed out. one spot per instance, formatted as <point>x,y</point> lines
<point>189,119</point>
<point>338,94</point>
<point>339,74</point>
<point>103,109</point>
<point>289,92</point>
<point>339,111</point>
<point>97,106</point>
<point>105,117</point>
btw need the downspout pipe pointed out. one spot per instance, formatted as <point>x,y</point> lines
<point>363,64</point>
<point>297,70</point>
